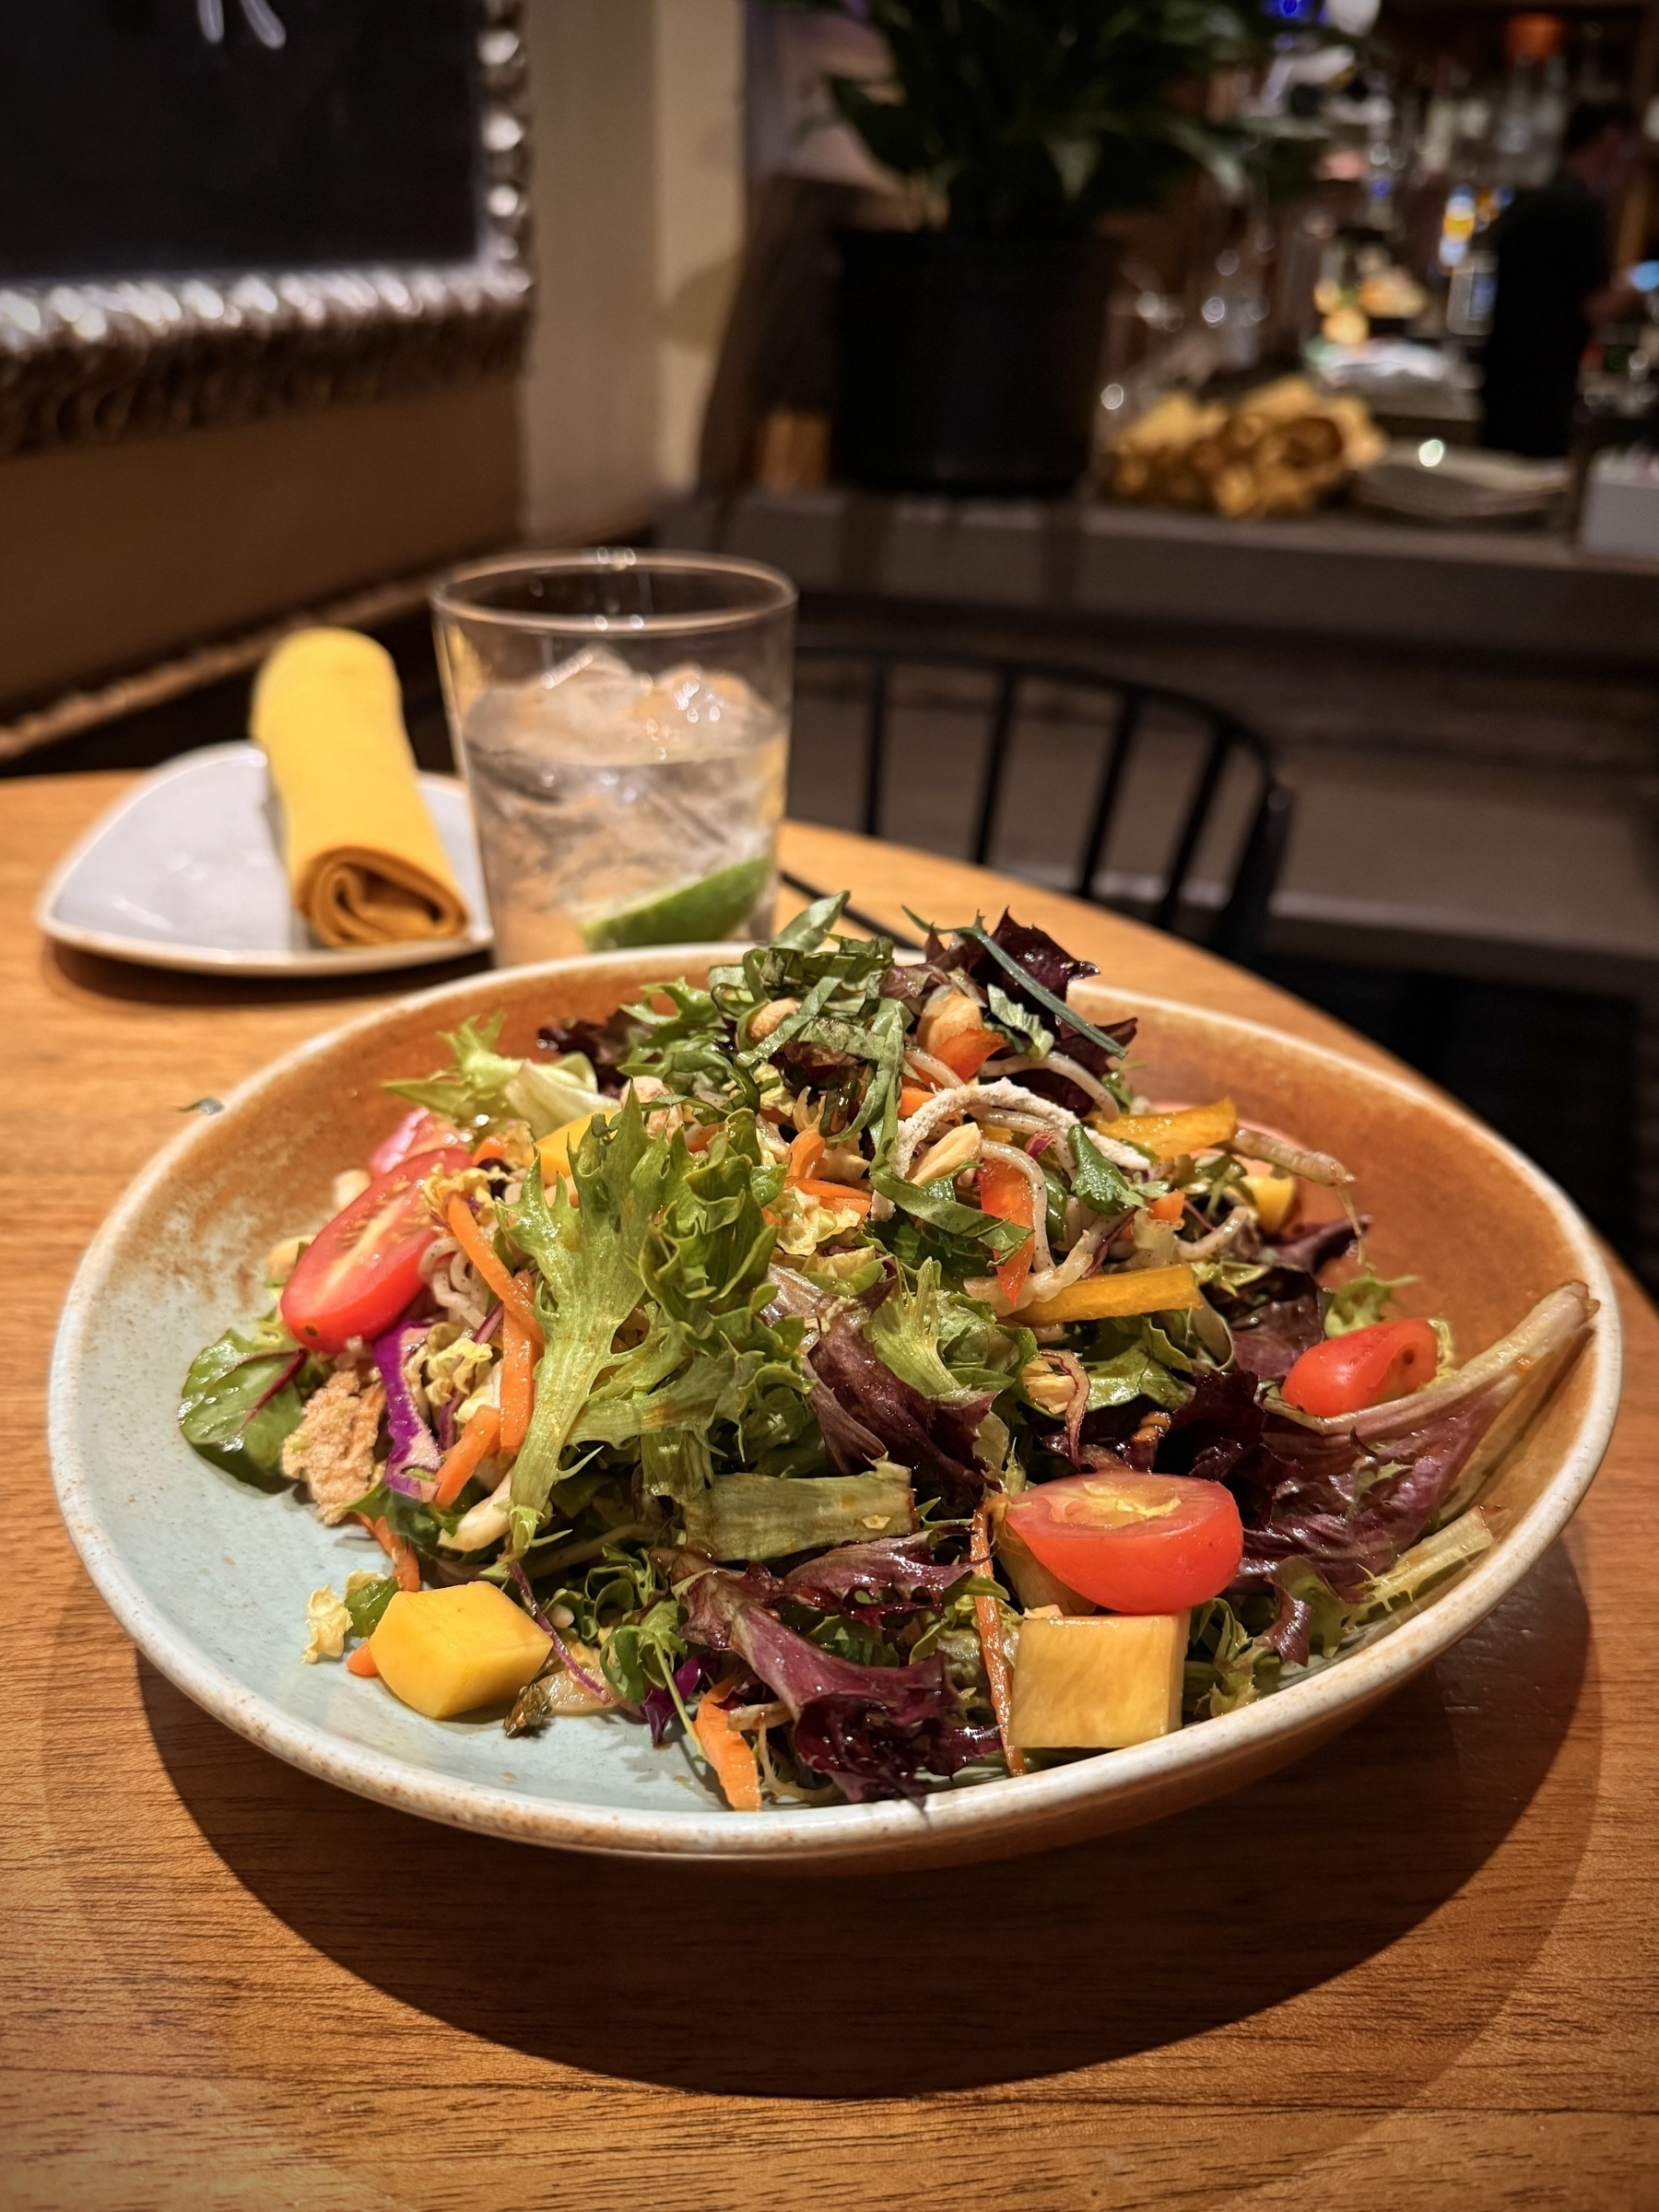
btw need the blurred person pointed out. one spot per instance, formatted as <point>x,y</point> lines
<point>1555,284</point>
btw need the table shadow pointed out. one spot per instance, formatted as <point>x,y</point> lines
<point>869,1985</point>
<point>128,981</point>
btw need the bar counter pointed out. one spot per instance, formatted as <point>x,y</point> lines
<point>1339,575</point>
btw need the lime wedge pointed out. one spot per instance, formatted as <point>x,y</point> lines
<point>693,913</point>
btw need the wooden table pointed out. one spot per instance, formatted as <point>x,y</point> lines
<point>1418,1970</point>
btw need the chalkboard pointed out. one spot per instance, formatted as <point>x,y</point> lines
<point>306,133</point>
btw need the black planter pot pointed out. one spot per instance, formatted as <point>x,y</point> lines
<point>968,364</point>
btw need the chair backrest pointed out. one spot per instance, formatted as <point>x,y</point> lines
<point>1241,915</point>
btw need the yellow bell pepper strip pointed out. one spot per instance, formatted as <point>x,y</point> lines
<point>1195,1129</point>
<point>727,1750</point>
<point>474,1446</point>
<point>1109,1297</point>
<point>476,1245</point>
<point>987,1621</point>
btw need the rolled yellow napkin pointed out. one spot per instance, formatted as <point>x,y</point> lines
<point>365,863</point>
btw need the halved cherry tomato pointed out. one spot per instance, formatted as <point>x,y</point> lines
<point>1368,1367</point>
<point>1135,1543</point>
<point>421,1131</point>
<point>1005,1192</point>
<point>362,1268</point>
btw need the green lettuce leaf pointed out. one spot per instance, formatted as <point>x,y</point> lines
<point>1361,1302</point>
<point>936,1205</point>
<point>243,1398</point>
<point>1025,1027</point>
<point>905,1331</point>
<point>486,1086</point>
<point>761,1517</point>
<point>1131,1374</point>
<point>1100,1183</point>
<point>589,1262</point>
<point>368,1602</point>
<point>639,1656</point>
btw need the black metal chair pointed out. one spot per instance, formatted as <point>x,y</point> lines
<point>1236,927</point>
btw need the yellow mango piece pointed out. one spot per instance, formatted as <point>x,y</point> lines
<point>1034,1586</point>
<point>553,1151</point>
<point>1274,1197</point>
<point>1105,1297</point>
<point>1097,1682</point>
<point>1195,1129</point>
<point>446,1652</point>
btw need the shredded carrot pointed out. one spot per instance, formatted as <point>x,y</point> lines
<point>912,1097</point>
<point>405,1562</point>
<point>805,1154</point>
<point>518,1380</point>
<point>727,1750</point>
<point>700,1135</point>
<point>507,1287</point>
<point>990,1635</point>
<point>362,1662</point>
<point>836,1194</point>
<point>1005,1192</point>
<point>1169,1207</point>
<point>476,1443</point>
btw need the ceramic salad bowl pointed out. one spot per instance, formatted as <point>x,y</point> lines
<point>209,1576</point>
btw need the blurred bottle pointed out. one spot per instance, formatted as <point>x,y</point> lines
<point>1532,109</point>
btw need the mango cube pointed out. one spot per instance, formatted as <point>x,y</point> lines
<point>554,1151</point>
<point>1274,1197</point>
<point>450,1651</point>
<point>1097,1682</point>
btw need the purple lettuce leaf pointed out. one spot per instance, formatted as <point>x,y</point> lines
<point>873,1731</point>
<point>867,1414</point>
<point>413,1443</point>
<point>659,1708</point>
<point>605,1044</point>
<point>874,1578</point>
<point>1322,1497</point>
<point>1055,969</point>
<point>1270,1339</point>
<point>1313,1247</point>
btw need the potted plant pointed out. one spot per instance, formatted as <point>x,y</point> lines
<point>970,346</point>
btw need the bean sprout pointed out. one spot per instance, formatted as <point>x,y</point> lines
<point>1232,1231</point>
<point>1002,1102</point>
<point>1059,1064</point>
<point>1078,1262</point>
<point>1313,1167</point>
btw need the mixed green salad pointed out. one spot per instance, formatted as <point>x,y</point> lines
<point>841,1371</point>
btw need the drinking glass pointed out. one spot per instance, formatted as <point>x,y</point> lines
<point>622,718</point>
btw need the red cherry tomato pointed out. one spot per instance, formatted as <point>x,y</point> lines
<point>1367,1367</point>
<point>1135,1543</point>
<point>421,1131</point>
<point>362,1268</point>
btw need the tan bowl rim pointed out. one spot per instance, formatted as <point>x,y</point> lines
<point>981,1819</point>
